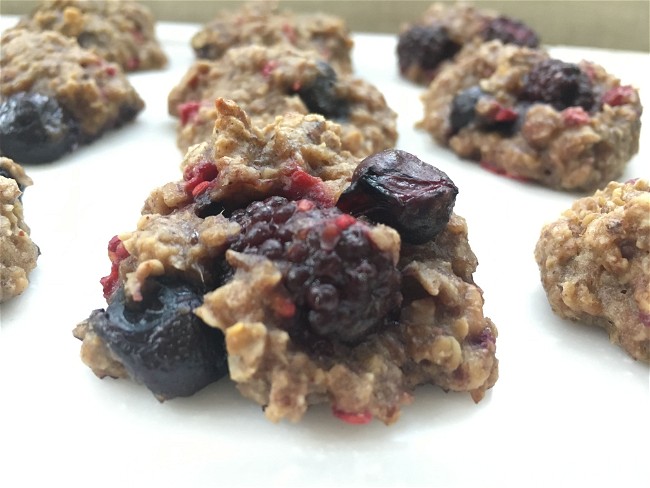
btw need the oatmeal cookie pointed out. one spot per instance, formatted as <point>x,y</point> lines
<point>271,81</point>
<point>313,303</point>
<point>120,31</point>
<point>522,113</point>
<point>263,24</point>
<point>595,260</point>
<point>18,254</point>
<point>55,95</point>
<point>427,45</point>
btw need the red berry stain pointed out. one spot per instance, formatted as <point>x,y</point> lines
<point>133,63</point>
<point>619,95</point>
<point>289,32</point>
<point>187,111</point>
<point>499,113</point>
<point>138,36</point>
<point>198,177</point>
<point>575,116</point>
<point>269,67</point>
<point>645,318</point>
<point>352,418</point>
<point>283,307</point>
<point>110,70</point>
<point>116,253</point>
<point>300,184</point>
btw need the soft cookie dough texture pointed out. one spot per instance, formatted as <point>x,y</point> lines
<point>18,254</point>
<point>595,264</point>
<point>120,31</point>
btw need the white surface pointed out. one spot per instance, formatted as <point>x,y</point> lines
<point>569,409</point>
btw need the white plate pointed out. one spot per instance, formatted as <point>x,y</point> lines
<point>569,409</point>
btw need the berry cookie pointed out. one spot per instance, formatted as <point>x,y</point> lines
<point>522,113</point>
<point>263,24</point>
<point>271,81</point>
<point>282,243</point>
<point>594,264</point>
<point>444,29</point>
<point>120,31</point>
<point>18,254</point>
<point>55,95</point>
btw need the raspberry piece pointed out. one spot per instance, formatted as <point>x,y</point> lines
<point>35,129</point>
<point>510,31</point>
<point>342,285</point>
<point>395,188</point>
<point>575,116</point>
<point>619,95</point>
<point>116,253</point>
<point>160,341</point>
<point>559,84</point>
<point>425,46</point>
<point>187,111</point>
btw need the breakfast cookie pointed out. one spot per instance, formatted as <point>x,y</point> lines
<point>55,95</point>
<point>524,114</point>
<point>594,263</point>
<point>120,31</point>
<point>445,28</point>
<point>271,81</point>
<point>263,24</point>
<point>278,244</point>
<point>18,254</point>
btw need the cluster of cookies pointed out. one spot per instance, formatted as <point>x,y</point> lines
<point>494,96</point>
<point>298,253</point>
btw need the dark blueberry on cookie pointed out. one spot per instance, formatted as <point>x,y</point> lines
<point>343,286</point>
<point>320,95</point>
<point>35,129</point>
<point>559,84</point>
<point>160,341</point>
<point>510,31</point>
<point>425,46</point>
<point>463,108</point>
<point>396,188</point>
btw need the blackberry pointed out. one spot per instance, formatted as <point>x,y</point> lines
<point>395,188</point>
<point>320,95</point>
<point>510,31</point>
<point>160,341</point>
<point>35,129</point>
<point>425,46</point>
<point>342,285</point>
<point>559,84</point>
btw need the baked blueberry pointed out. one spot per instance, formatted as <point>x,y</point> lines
<point>320,96</point>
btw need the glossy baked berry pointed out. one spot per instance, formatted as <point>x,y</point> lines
<point>320,95</point>
<point>35,129</point>
<point>559,84</point>
<point>463,108</point>
<point>510,31</point>
<point>342,285</point>
<point>425,46</point>
<point>160,341</point>
<point>395,188</point>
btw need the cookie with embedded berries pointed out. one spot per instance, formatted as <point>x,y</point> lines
<point>278,245</point>
<point>264,24</point>
<point>55,95</point>
<point>18,253</point>
<point>271,81</point>
<point>433,41</point>
<point>521,113</point>
<point>594,264</point>
<point>120,31</point>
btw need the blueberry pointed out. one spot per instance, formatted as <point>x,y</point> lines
<point>320,95</point>
<point>395,188</point>
<point>35,129</point>
<point>160,341</point>
<point>463,108</point>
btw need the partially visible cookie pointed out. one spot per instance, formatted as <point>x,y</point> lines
<point>120,31</point>
<point>595,260</point>
<point>271,81</point>
<point>18,254</point>
<point>55,95</point>
<point>520,112</point>
<point>445,28</point>
<point>262,23</point>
